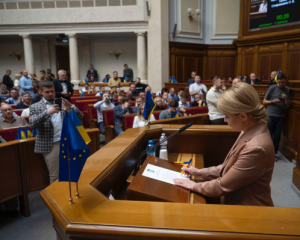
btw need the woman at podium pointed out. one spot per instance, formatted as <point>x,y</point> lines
<point>245,175</point>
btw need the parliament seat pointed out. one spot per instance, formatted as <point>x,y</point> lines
<point>93,118</point>
<point>109,124</point>
<point>129,118</point>
<point>18,111</point>
<point>82,105</point>
<point>74,99</point>
<point>10,134</point>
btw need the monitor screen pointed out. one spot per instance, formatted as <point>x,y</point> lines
<point>273,13</point>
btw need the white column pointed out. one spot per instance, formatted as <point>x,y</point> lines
<point>141,57</point>
<point>74,60</point>
<point>28,54</point>
<point>45,54</point>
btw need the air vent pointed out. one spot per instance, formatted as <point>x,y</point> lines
<point>49,5</point>
<point>74,4</point>
<point>35,5</point>
<point>88,3</point>
<point>23,5</point>
<point>128,2</point>
<point>11,5</point>
<point>101,3</point>
<point>114,3</point>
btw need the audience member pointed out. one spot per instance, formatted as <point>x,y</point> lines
<point>26,101</point>
<point>92,89</point>
<point>215,115</point>
<point>7,80</point>
<point>166,114</point>
<point>160,93</point>
<point>26,83</point>
<point>197,88</point>
<point>165,98</point>
<point>252,79</point>
<point>3,89</point>
<point>139,120</point>
<point>92,79</point>
<point>114,82</point>
<point>129,95</point>
<point>245,78</point>
<point>106,79</point>
<point>101,92</point>
<point>235,81</point>
<point>17,80</point>
<point>198,101</point>
<point>191,80</point>
<point>119,111</point>
<point>180,92</point>
<point>47,117</point>
<point>50,75</point>
<point>63,87</point>
<point>139,102</point>
<point>159,104</point>
<point>86,88</point>
<point>128,73</point>
<point>229,80</point>
<point>173,95</point>
<point>120,100</point>
<point>14,96</point>
<point>91,72</point>
<point>105,103</point>
<point>148,88</point>
<point>43,77</point>
<point>272,76</point>
<point>2,103</point>
<point>37,97</point>
<point>133,90</point>
<point>183,103</point>
<point>277,99</point>
<point>223,82</point>
<point>140,87</point>
<point>8,120</point>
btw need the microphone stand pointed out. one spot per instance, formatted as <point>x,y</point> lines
<point>140,161</point>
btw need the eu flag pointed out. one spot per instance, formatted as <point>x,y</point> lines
<point>72,146</point>
<point>20,134</point>
<point>149,106</point>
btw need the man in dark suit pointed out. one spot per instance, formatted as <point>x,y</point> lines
<point>91,72</point>
<point>128,73</point>
<point>272,76</point>
<point>7,80</point>
<point>119,111</point>
<point>63,87</point>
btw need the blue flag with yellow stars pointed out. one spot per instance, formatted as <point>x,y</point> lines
<point>72,148</point>
<point>149,106</point>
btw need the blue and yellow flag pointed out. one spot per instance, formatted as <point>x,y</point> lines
<point>79,127</point>
<point>34,132</point>
<point>72,146</point>
<point>81,93</point>
<point>10,101</point>
<point>170,80</point>
<point>276,77</point>
<point>84,80</point>
<point>149,106</point>
<point>125,79</point>
<point>175,114</point>
<point>20,134</point>
<point>28,132</point>
<point>174,80</point>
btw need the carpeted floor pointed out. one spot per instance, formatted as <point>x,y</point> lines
<point>39,224</point>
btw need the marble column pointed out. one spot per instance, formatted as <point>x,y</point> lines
<point>28,54</point>
<point>141,57</point>
<point>74,60</point>
<point>158,44</point>
<point>45,54</point>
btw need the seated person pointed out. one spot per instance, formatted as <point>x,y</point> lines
<point>139,120</point>
<point>173,95</point>
<point>223,82</point>
<point>100,106</point>
<point>119,111</point>
<point>26,101</point>
<point>198,101</point>
<point>245,175</point>
<point>143,96</point>
<point>92,89</point>
<point>165,98</point>
<point>3,89</point>
<point>166,114</point>
<point>8,120</point>
<point>160,93</point>
<point>106,79</point>
<point>183,103</point>
<point>180,92</point>
<point>102,91</point>
<point>159,104</point>
<point>86,88</point>
<point>129,95</point>
<point>137,104</point>
<point>3,102</point>
<point>120,100</point>
<point>133,90</point>
<point>14,96</point>
<point>92,79</point>
<point>140,87</point>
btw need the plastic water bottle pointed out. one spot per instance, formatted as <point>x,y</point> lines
<point>150,152</point>
<point>163,153</point>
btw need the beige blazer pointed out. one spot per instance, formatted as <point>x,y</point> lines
<point>244,177</point>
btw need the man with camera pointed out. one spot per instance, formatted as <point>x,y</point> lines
<point>47,116</point>
<point>277,99</point>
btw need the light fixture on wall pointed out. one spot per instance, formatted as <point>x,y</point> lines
<point>15,54</point>
<point>190,16</point>
<point>116,54</point>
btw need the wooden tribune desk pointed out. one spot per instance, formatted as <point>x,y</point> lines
<point>93,216</point>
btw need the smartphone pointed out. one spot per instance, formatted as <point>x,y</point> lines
<point>58,101</point>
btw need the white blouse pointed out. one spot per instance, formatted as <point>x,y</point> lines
<point>141,123</point>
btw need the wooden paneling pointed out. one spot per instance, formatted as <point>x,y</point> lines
<point>248,65</point>
<point>214,67</point>
<point>294,65</point>
<point>268,63</point>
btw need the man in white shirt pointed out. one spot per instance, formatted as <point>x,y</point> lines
<point>263,6</point>
<point>102,91</point>
<point>100,106</point>
<point>183,103</point>
<point>197,88</point>
<point>215,116</point>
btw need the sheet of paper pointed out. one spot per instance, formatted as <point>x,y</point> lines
<point>161,174</point>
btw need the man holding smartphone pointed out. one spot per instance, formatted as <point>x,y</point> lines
<point>277,99</point>
<point>47,116</point>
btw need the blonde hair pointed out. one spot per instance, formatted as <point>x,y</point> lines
<point>140,113</point>
<point>18,76</point>
<point>242,97</point>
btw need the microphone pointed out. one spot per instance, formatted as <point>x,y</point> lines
<point>140,162</point>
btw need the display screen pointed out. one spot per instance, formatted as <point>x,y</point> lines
<point>270,13</point>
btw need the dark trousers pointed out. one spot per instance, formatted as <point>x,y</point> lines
<point>275,125</point>
<point>219,121</point>
<point>101,126</point>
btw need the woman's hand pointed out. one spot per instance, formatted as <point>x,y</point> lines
<point>188,184</point>
<point>190,170</point>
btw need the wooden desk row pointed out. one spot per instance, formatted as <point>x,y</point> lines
<point>22,171</point>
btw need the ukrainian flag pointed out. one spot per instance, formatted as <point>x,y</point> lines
<point>174,80</point>
<point>20,134</point>
<point>84,80</point>
<point>175,114</point>
<point>170,80</point>
<point>149,106</point>
<point>81,93</point>
<point>125,79</point>
<point>276,77</point>
<point>79,127</point>
<point>28,132</point>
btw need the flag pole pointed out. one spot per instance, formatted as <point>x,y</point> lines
<point>70,199</point>
<point>77,192</point>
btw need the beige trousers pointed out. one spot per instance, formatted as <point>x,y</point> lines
<point>52,161</point>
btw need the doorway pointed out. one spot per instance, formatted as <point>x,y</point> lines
<point>62,57</point>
